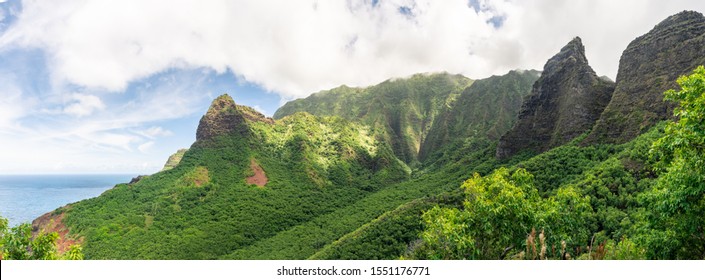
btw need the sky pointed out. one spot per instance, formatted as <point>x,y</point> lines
<point>117,86</point>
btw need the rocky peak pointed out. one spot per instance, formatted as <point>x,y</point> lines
<point>572,53</point>
<point>223,117</point>
<point>649,66</point>
<point>564,102</point>
<point>679,19</point>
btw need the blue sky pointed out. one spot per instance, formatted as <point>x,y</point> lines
<point>117,86</point>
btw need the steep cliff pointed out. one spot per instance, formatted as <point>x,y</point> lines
<point>649,66</point>
<point>401,111</point>
<point>565,102</point>
<point>485,110</point>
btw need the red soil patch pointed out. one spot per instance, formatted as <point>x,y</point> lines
<point>259,178</point>
<point>51,222</point>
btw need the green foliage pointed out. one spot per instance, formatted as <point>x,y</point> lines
<point>314,235</point>
<point>484,111</point>
<point>400,111</point>
<point>75,252</point>
<point>499,211</point>
<point>564,164</point>
<point>17,243</point>
<point>599,202</point>
<point>385,237</point>
<point>625,249</point>
<point>204,209</point>
<point>678,200</point>
<point>340,189</point>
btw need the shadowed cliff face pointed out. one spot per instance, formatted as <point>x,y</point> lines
<point>649,66</point>
<point>565,102</point>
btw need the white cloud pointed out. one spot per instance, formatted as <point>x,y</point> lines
<point>112,139</point>
<point>297,47</point>
<point>11,103</point>
<point>81,105</point>
<point>293,48</point>
<point>154,132</point>
<point>145,147</point>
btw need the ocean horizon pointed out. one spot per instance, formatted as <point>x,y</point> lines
<point>23,198</point>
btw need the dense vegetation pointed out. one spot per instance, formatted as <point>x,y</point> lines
<point>401,111</point>
<point>337,189</point>
<point>17,243</point>
<point>642,199</point>
<point>203,208</point>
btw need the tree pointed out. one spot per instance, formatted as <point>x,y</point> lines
<point>17,243</point>
<point>498,212</point>
<point>502,214</point>
<point>678,199</point>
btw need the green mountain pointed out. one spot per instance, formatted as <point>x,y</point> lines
<point>484,111</point>
<point>204,207</point>
<point>400,111</point>
<point>423,116</point>
<point>438,166</point>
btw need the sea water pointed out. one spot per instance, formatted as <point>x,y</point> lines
<point>23,198</point>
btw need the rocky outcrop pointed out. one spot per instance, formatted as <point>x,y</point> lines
<point>136,180</point>
<point>224,117</point>
<point>649,66</point>
<point>564,102</point>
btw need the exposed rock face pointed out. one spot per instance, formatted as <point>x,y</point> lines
<point>137,179</point>
<point>565,102</point>
<point>225,117</point>
<point>649,66</point>
<point>53,222</point>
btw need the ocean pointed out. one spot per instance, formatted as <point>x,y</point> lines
<point>26,197</point>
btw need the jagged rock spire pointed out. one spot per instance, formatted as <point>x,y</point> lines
<point>565,102</point>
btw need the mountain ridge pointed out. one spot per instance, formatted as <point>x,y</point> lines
<point>650,65</point>
<point>564,102</point>
<point>351,169</point>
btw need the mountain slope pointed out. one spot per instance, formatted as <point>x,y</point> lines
<point>400,111</point>
<point>337,183</point>
<point>203,208</point>
<point>649,66</point>
<point>564,103</point>
<point>484,110</point>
